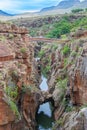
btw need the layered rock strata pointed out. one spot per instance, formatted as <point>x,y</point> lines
<point>17,72</point>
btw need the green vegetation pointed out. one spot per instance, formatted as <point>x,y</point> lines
<point>59,123</point>
<point>23,50</point>
<point>46,67</point>
<point>54,47</point>
<point>11,36</point>
<point>77,10</point>
<point>83,106</point>
<point>41,53</point>
<point>65,62</point>
<point>12,93</point>
<point>73,53</point>
<point>62,85</point>
<point>14,74</point>
<point>86,9</point>
<point>66,50</point>
<point>14,108</point>
<point>2,38</point>
<point>57,26</point>
<point>64,37</point>
<point>59,29</point>
<point>64,26</point>
<point>28,88</point>
<point>46,70</point>
<point>70,108</point>
<point>33,32</point>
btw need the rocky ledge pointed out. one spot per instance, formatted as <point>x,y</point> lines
<point>19,79</point>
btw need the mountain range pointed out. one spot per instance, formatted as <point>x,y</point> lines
<point>63,6</point>
<point>2,13</point>
<point>66,4</point>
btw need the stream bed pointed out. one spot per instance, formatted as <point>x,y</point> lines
<point>44,115</point>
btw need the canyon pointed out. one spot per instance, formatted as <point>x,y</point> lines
<point>64,62</point>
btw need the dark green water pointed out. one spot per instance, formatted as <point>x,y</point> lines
<point>44,116</point>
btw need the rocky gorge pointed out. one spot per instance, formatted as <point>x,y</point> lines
<point>19,93</point>
<point>64,63</point>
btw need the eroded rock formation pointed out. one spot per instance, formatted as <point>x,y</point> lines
<point>17,70</point>
<point>67,80</point>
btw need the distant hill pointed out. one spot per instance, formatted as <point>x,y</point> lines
<point>48,8</point>
<point>2,13</point>
<point>67,4</point>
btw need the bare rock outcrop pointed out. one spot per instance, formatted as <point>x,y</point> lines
<point>68,80</point>
<point>78,79</point>
<point>19,79</point>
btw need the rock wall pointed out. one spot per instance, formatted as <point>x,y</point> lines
<point>78,79</point>
<point>67,79</point>
<point>18,69</point>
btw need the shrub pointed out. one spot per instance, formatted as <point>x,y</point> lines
<point>77,10</point>
<point>69,108</point>
<point>12,92</point>
<point>65,62</point>
<point>74,53</point>
<point>2,38</point>
<point>54,46</point>
<point>14,108</point>
<point>60,122</point>
<point>28,88</point>
<point>33,33</point>
<point>23,50</point>
<point>66,50</point>
<point>41,53</point>
<point>60,28</point>
<point>86,9</point>
<point>62,83</point>
<point>11,36</point>
<point>46,70</point>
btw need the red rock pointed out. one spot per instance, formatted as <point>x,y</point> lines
<point>16,67</point>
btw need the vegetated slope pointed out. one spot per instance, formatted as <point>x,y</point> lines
<point>53,26</point>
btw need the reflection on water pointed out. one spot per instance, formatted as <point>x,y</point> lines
<point>44,116</point>
<point>43,85</point>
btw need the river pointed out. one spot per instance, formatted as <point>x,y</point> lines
<point>44,116</point>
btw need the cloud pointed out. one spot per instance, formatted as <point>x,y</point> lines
<point>18,6</point>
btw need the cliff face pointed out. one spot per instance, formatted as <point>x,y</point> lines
<point>78,79</point>
<point>19,95</point>
<point>67,80</point>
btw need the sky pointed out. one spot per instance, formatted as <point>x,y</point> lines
<point>20,6</point>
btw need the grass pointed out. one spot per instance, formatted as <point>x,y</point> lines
<point>41,53</point>
<point>14,108</point>
<point>12,93</point>
<point>23,50</point>
<point>28,88</point>
<point>66,50</point>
